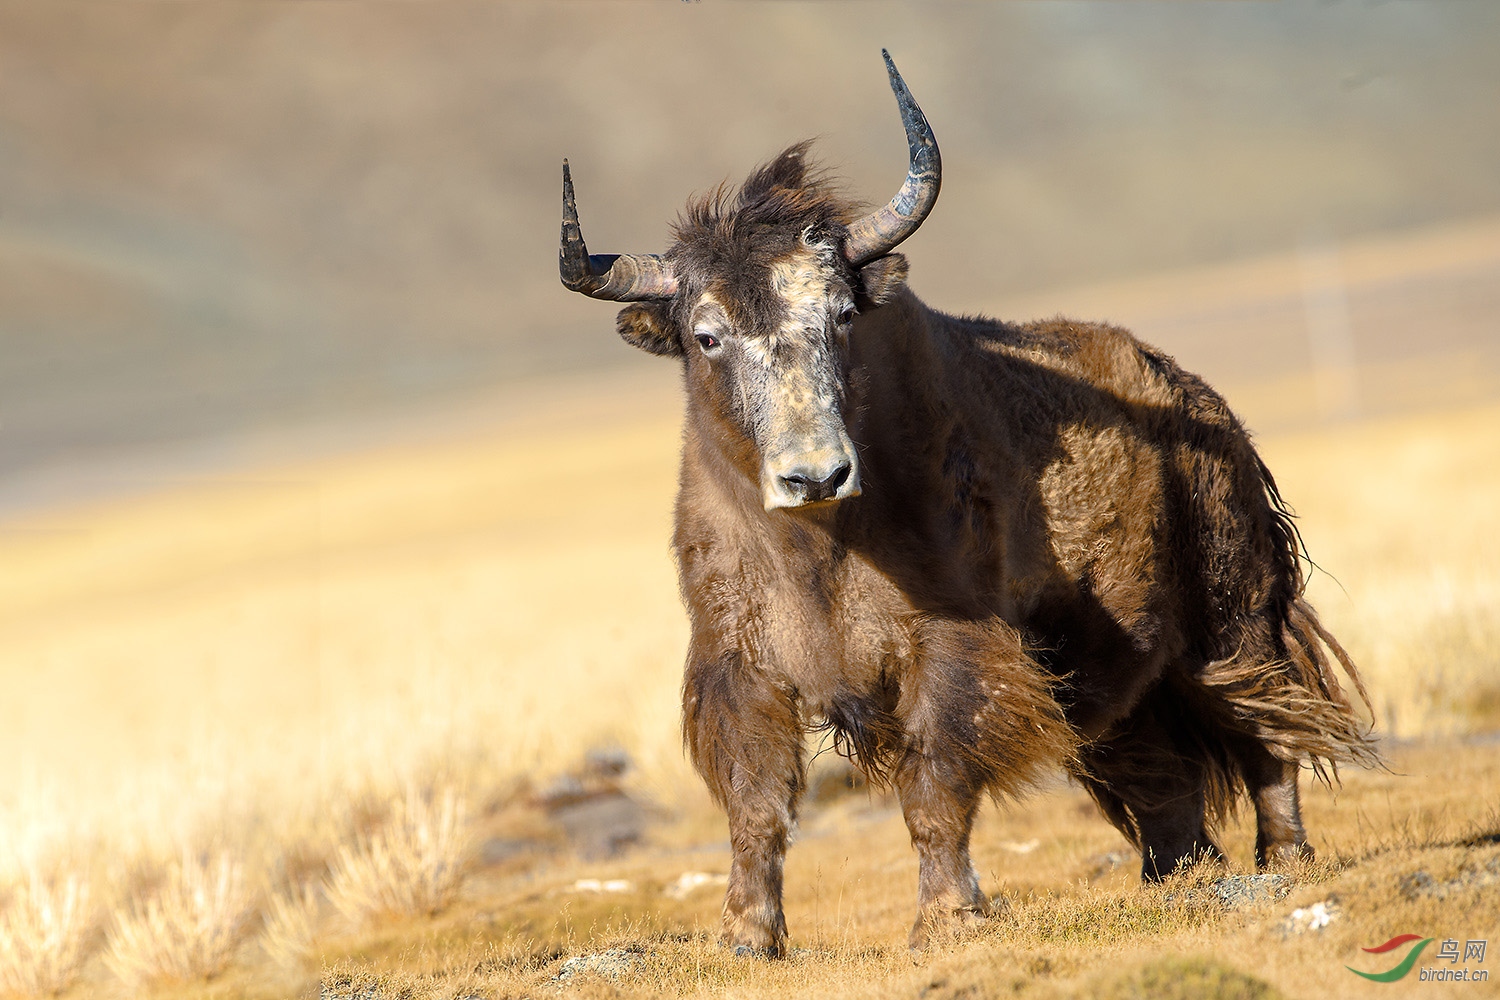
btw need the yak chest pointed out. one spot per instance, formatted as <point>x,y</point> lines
<point>810,614</point>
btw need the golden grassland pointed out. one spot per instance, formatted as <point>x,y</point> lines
<point>298,727</point>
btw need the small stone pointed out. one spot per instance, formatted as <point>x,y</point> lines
<point>603,885</point>
<point>1419,883</point>
<point>1311,919</point>
<point>1101,865</point>
<point>602,825</point>
<point>687,882</point>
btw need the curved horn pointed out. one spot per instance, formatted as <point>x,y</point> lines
<point>880,231</point>
<point>626,277</point>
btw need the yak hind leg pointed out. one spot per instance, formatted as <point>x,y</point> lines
<point>1272,783</point>
<point>1151,790</point>
<point>1173,835</point>
<point>977,715</point>
<point>745,738</point>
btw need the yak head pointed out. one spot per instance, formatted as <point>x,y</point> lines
<point>759,296</point>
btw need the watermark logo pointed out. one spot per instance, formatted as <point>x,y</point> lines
<point>1473,951</point>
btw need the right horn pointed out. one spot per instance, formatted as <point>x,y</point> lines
<point>626,277</point>
<point>879,232</point>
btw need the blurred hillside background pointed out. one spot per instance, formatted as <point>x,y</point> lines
<point>240,228</point>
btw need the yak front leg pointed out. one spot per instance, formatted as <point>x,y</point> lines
<point>745,738</point>
<point>939,802</point>
<point>978,715</point>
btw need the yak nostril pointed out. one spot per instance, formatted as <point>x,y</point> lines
<point>812,488</point>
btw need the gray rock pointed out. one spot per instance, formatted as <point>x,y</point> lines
<point>603,826</point>
<point>497,849</point>
<point>607,762</point>
<point>1235,891</point>
<point>614,962</point>
<point>1419,883</point>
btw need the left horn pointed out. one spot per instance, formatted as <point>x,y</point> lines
<point>626,277</point>
<point>879,232</point>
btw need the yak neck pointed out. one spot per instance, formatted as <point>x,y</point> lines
<point>899,369</point>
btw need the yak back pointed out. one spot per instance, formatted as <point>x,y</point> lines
<point>1081,484</point>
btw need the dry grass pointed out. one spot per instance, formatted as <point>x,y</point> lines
<point>413,864</point>
<point>1113,940</point>
<point>1397,513</point>
<point>1184,979</point>
<point>44,933</point>
<point>188,928</point>
<point>1073,924</point>
<point>361,620</point>
<point>290,924</point>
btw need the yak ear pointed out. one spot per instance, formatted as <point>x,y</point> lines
<point>882,278</point>
<point>648,325</point>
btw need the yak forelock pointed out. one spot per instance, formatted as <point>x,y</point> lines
<point>728,239</point>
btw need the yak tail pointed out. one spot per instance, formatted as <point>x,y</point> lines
<point>1296,706</point>
<point>1290,700</point>
<point>1280,687</point>
<point>1316,720</point>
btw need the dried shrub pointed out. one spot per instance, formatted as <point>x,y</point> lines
<point>413,864</point>
<point>44,935</point>
<point>288,936</point>
<point>188,929</point>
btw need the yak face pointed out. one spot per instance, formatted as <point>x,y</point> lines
<point>783,374</point>
<point>764,325</point>
<point>759,296</point>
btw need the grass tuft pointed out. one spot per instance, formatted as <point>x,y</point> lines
<point>188,929</point>
<point>1186,979</point>
<point>289,930</point>
<point>44,935</point>
<point>414,864</point>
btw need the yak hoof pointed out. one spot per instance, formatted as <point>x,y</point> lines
<point>751,951</point>
<point>1286,855</point>
<point>939,926</point>
<point>746,936</point>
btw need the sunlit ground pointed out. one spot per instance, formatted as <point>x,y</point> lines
<point>284,705</point>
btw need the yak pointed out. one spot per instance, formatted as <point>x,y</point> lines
<point>975,551</point>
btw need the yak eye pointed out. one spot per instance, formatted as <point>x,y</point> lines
<point>707,341</point>
<point>846,316</point>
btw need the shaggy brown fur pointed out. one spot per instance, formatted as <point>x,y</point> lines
<point>1066,551</point>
